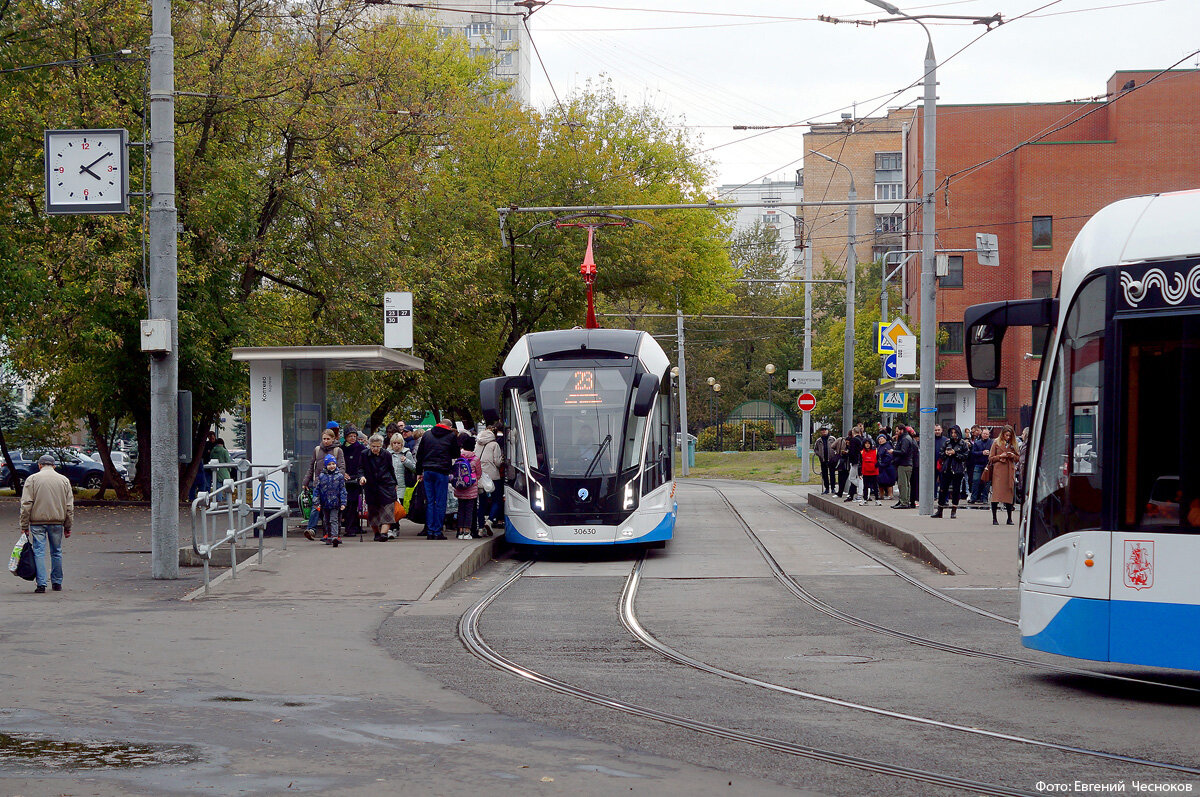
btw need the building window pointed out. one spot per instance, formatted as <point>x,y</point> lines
<point>877,253</point>
<point>506,34</point>
<point>479,29</point>
<point>506,59</point>
<point>1041,287</point>
<point>954,337</point>
<point>892,222</point>
<point>954,274</point>
<point>997,403</point>
<point>444,33</point>
<point>770,218</point>
<point>888,191</point>
<point>1043,232</point>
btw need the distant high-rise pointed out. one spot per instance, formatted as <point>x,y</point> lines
<point>494,31</point>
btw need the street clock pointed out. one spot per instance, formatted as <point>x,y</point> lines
<point>87,171</point>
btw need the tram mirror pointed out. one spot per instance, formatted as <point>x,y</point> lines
<point>491,393</point>
<point>983,355</point>
<point>643,400</point>
<point>986,324</point>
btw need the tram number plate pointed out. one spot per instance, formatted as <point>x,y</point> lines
<point>583,531</point>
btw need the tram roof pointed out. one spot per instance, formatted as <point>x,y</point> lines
<point>630,342</point>
<point>1134,230</point>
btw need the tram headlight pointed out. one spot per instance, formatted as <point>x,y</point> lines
<point>538,497</point>
<point>630,495</point>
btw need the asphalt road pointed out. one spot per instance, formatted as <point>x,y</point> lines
<point>710,595</point>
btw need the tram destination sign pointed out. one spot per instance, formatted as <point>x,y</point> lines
<point>1159,286</point>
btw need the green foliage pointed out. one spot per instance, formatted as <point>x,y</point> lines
<point>741,436</point>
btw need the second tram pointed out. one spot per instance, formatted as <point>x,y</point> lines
<point>589,438</point>
<point>1110,525</point>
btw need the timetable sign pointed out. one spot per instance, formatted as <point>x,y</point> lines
<point>397,320</point>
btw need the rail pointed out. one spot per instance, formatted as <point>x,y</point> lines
<point>226,501</point>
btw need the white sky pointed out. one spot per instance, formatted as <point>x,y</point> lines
<point>719,64</point>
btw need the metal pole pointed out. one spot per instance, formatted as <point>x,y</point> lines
<point>163,300</point>
<point>928,403</point>
<point>806,423</point>
<point>848,344</point>
<point>683,422</point>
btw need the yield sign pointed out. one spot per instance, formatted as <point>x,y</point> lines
<point>895,330</point>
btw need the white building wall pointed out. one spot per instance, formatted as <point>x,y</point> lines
<point>785,196</point>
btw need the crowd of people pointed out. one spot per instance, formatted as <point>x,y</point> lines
<point>442,477</point>
<point>885,464</point>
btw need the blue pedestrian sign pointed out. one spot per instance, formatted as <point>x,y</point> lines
<point>893,401</point>
<point>891,368</point>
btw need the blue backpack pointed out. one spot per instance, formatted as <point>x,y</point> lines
<point>464,474</point>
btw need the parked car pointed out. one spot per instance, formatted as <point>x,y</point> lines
<point>79,470</point>
<point>24,468</point>
<point>119,460</point>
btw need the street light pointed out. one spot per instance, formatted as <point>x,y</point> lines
<point>928,265</point>
<point>851,268</point>
<point>716,403</point>
<point>770,369</point>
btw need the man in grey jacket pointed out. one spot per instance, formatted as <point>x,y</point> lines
<point>47,512</point>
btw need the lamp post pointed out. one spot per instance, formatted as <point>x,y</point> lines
<point>770,369</point>
<point>928,403</point>
<point>716,395</point>
<point>851,268</point>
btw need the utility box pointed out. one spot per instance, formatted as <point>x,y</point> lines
<point>156,335</point>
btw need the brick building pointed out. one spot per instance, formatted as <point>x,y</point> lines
<point>1033,174</point>
<point>871,148</point>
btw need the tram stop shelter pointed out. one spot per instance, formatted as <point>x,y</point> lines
<point>289,403</point>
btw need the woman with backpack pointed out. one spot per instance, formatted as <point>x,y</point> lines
<point>467,470</point>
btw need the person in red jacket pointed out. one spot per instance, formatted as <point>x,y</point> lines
<point>870,472</point>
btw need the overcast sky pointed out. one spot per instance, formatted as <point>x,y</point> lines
<point>719,64</point>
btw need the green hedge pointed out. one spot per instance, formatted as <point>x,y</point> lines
<point>760,436</point>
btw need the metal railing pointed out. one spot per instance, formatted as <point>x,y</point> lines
<point>227,501</point>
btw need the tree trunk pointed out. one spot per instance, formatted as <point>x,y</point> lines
<point>189,474</point>
<point>141,422</point>
<point>12,470</point>
<point>379,414</point>
<point>111,477</point>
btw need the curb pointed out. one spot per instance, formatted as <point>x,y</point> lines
<point>910,542</point>
<point>467,562</point>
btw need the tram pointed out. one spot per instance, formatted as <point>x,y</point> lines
<point>589,438</point>
<point>1110,525</point>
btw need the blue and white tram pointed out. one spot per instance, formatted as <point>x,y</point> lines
<point>1110,528</point>
<point>589,436</point>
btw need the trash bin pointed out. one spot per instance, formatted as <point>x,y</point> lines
<point>691,451</point>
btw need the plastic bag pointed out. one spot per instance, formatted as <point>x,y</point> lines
<point>486,484</point>
<point>26,566</point>
<point>16,552</point>
<point>306,503</point>
<point>416,506</point>
<point>399,512</point>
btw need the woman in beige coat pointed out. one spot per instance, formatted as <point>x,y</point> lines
<point>1002,459</point>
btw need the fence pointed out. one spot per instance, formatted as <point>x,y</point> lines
<point>227,501</point>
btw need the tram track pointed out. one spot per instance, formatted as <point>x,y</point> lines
<point>793,586</point>
<point>468,633</point>
<point>633,625</point>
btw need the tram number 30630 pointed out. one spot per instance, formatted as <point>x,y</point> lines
<point>583,531</point>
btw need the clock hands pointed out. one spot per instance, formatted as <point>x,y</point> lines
<point>88,168</point>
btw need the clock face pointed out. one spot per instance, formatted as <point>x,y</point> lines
<point>87,171</point>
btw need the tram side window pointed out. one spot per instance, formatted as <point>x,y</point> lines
<point>658,448</point>
<point>532,448</point>
<point>1067,486</point>
<point>1160,472</point>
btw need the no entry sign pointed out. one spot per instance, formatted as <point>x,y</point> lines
<point>806,402</point>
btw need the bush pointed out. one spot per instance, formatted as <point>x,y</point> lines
<point>760,436</point>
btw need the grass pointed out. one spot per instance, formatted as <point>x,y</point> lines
<point>778,467</point>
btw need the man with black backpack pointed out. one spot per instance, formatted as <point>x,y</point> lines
<point>435,460</point>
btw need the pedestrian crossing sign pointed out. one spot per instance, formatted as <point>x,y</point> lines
<point>893,401</point>
<point>883,344</point>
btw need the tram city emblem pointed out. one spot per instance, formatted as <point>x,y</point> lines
<point>1139,564</point>
<point>583,494</point>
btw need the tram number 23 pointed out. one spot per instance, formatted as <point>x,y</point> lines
<point>583,531</point>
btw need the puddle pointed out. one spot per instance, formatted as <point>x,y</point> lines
<point>231,699</point>
<point>58,754</point>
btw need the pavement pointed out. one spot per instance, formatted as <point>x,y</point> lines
<point>273,668</point>
<point>968,545</point>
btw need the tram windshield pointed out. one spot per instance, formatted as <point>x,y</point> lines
<point>1160,363</point>
<point>580,422</point>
